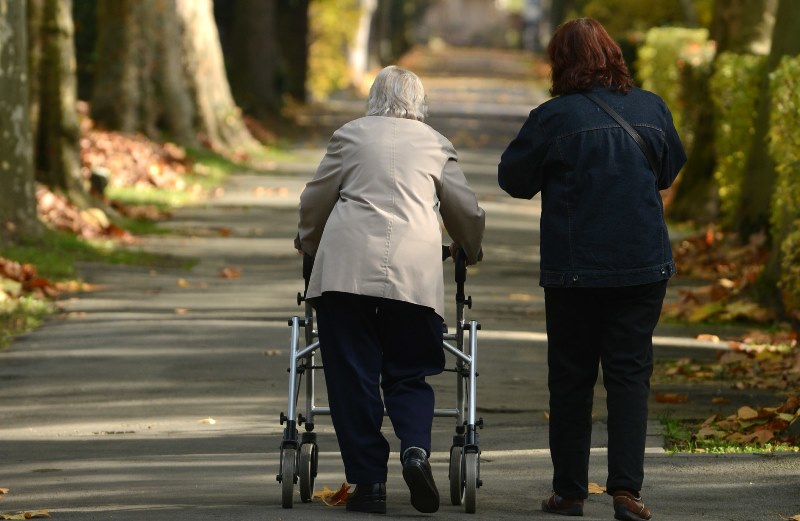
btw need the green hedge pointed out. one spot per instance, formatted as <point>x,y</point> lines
<point>734,89</point>
<point>784,147</point>
<point>662,65</point>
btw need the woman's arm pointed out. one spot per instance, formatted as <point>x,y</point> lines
<point>519,172</point>
<point>318,199</point>
<point>461,215</point>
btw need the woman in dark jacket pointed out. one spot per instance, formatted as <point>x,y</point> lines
<point>605,254</point>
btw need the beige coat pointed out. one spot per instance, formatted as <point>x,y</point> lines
<point>370,215</point>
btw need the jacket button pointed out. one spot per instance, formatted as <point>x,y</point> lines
<point>663,271</point>
<point>574,278</point>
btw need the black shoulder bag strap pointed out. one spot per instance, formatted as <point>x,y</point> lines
<point>648,152</point>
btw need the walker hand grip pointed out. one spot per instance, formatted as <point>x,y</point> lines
<point>445,252</point>
<point>461,265</point>
<point>308,265</point>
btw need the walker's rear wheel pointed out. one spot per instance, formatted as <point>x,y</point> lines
<point>470,482</point>
<point>308,470</point>
<point>456,476</point>
<point>288,474</point>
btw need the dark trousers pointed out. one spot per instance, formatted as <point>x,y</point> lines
<point>368,344</point>
<point>612,327</point>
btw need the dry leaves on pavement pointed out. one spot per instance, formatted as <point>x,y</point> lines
<point>34,514</point>
<point>729,269</point>
<point>774,368</point>
<point>755,426</point>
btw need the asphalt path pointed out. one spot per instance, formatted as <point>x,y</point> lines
<point>157,395</point>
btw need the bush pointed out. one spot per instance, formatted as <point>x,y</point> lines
<point>784,147</point>
<point>734,87</point>
<point>661,61</point>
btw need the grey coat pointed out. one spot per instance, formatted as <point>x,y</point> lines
<point>370,215</point>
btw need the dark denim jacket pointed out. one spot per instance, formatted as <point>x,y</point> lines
<point>602,222</point>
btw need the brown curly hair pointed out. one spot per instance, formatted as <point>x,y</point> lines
<point>583,55</point>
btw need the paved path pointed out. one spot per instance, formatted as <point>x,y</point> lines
<point>157,396</point>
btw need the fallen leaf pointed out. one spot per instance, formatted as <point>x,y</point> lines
<point>594,488</point>
<point>671,398</point>
<point>719,400</point>
<point>747,413</point>
<point>708,338</point>
<point>334,498</point>
<point>208,421</point>
<point>183,283</point>
<point>181,311</point>
<point>230,273</point>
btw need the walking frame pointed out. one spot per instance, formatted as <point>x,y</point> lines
<point>299,452</point>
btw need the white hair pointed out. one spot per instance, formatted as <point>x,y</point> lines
<point>398,93</point>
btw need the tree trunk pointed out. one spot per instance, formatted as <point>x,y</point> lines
<point>219,120</point>
<point>57,130</point>
<point>18,216</point>
<point>253,62</point>
<point>139,82</point>
<point>759,178</point>
<point>359,52</point>
<point>160,72</point>
<point>292,32</point>
<point>738,26</point>
<point>743,26</point>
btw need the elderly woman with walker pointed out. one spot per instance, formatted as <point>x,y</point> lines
<point>370,219</point>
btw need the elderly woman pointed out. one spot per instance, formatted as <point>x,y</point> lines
<point>599,152</point>
<point>370,219</point>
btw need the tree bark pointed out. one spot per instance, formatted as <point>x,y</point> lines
<point>140,84</point>
<point>759,179</point>
<point>57,131</point>
<point>254,61</point>
<point>160,72</point>
<point>292,33</point>
<point>18,216</point>
<point>219,120</point>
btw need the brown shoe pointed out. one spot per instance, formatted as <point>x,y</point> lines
<point>556,504</point>
<point>629,507</point>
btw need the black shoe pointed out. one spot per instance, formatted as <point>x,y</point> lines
<point>418,476</point>
<point>368,498</point>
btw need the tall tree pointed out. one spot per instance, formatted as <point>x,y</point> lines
<point>139,81</point>
<point>292,32</point>
<point>359,50</point>
<point>759,179</point>
<point>17,200</point>
<point>247,32</point>
<point>160,72</point>
<point>54,117</point>
<point>739,26</point>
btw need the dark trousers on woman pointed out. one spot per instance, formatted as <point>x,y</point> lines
<point>368,344</point>
<point>613,328</point>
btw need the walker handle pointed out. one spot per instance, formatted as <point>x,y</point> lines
<point>308,265</point>
<point>461,266</point>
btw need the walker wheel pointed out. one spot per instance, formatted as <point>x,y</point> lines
<point>308,470</point>
<point>288,476</point>
<point>456,475</point>
<point>471,463</point>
